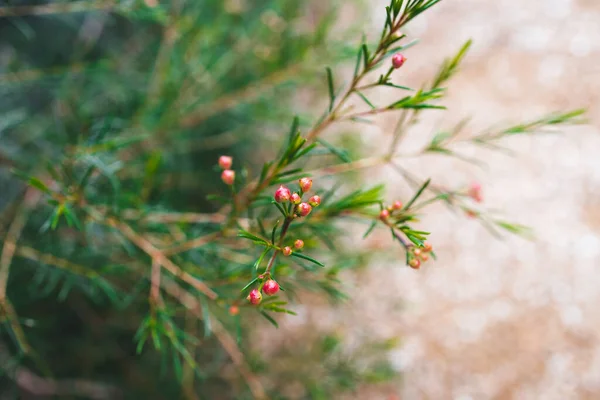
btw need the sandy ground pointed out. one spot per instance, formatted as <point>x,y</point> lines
<point>497,319</point>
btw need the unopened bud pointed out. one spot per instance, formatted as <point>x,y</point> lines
<point>427,246</point>
<point>304,209</point>
<point>282,194</point>
<point>296,199</point>
<point>397,205</point>
<point>287,251</point>
<point>424,257</point>
<point>475,192</point>
<point>228,177</point>
<point>225,162</point>
<point>234,310</point>
<point>314,201</point>
<point>414,263</point>
<point>254,297</point>
<point>384,214</point>
<point>305,184</point>
<point>270,287</point>
<point>299,244</point>
<point>398,60</point>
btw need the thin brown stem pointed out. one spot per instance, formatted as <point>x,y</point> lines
<point>12,237</point>
<point>193,244</point>
<point>284,230</point>
<point>223,336</point>
<point>157,255</point>
<point>155,283</point>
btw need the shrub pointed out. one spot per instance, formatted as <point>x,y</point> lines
<point>146,238</point>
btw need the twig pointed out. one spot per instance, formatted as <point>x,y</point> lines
<point>232,99</point>
<point>174,217</point>
<point>229,344</point>
<point>192,244</point>
<point>157,255</point>
<point>347,167</point>
<point>155,283</point>
<point>14,232</point>
<point>284,230</point>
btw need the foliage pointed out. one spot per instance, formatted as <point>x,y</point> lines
<point>124,256</point>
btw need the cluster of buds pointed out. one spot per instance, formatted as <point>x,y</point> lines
<point>287,250</point>
<point>386,212</point>
<point>418,255</point>
<point>301,209</point>
<point>269,287</point>
<point>228,175</point>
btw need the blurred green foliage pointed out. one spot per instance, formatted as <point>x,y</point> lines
<point>129,103</point>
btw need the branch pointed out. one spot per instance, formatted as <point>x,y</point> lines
<point>229,344</point>
<point>157,255</point>
<point>14,232</point>
<point>192,244</point>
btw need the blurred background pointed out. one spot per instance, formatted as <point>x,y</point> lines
<point>510,318</point>
<point>492,318</point>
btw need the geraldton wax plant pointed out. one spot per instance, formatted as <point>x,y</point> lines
<point>269,234</point>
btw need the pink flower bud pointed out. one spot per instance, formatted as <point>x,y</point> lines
<point>304,209</point>
<point>384,214</point>
<point>414,263</point>
<point>296,199</point>
<point>475,192</point>
<point>397,205</point>
<point>287,251</point>
<point>254,297</point>
<point>234,310</point>
<point>225,162</point>
<point>228,176</point>
<point>314,201</point>
<point>282,194</point>
<point>398,60</point>
<point>305,184</point>
<point>270,287</point>
<point>299,244</point>
<point>424,257</point>
<point>427,246</point>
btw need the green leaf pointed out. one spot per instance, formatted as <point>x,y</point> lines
<point>365,56</point>
<point>38,184</point>
<point>264,171</point>
<point>269,318</point>
<point>371,227</point>
<point>417,195</point>
<point>341,153</point>
<point>262,256</point>
<point>356,200</point>
<point>206,317</point>
<point>56,216</point>
<point>247,235</point>
<point>273,232</point>
<point>305,257</point>
<point>252,282</point>
<point>331,88</point>
<point>358,60</point>
<point>362,96</point>
<point>280,208</point>
<point>398,86</point>
<point>293,129</point>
